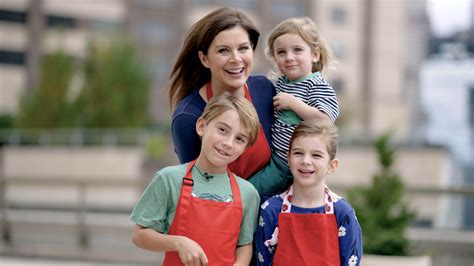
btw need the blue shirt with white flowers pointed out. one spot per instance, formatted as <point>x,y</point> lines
<point>350,233</point>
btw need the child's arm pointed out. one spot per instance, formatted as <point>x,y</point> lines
<point>265,231</point>
<point>285,100</point>
<point>189,251</point>
<point>243,254</point>
<point>350,240</point>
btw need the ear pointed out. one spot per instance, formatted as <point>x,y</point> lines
<point>203,59</point>
<point>316,55</point>
<point>200,124</point>
<point>333,166</point>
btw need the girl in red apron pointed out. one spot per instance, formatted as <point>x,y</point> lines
<point>309,224</point>
<point>199,213</point>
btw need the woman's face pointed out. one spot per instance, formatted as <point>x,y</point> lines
<point>229,58</point>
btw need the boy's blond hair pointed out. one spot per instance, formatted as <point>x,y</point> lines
<point>226,101</point>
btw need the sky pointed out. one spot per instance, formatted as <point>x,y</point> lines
<point>447,16</point>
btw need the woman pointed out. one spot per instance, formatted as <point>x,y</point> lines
<point>217,57</point>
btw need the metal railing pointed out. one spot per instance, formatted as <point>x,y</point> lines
<point>80,209</point>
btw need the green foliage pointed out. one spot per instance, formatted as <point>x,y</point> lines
<point>116,89</point>
<point>155,146</point>
<point>45,107</point>
<point>114,94</point>
<point>6,121</point>
<point>381,210</point>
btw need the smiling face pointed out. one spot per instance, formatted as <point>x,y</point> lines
<point>294,56</point>
<point>230,59</point>
<point>224,139</point>
<point>309,160</point>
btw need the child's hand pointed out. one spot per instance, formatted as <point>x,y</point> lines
<point>191,253</point>
<point>283,101</point>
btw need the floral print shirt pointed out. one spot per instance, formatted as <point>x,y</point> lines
<point>350,233</point>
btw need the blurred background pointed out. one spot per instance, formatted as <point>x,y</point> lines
<point>85,119</point>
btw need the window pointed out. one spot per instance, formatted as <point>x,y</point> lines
<point>104,26</point>
<point>339,49</point>
<point>338,86</point>
<point>62,22</point>
<point>286,9</point>
<point>13,16</point>
<point>471,105</point>
<point>12,57</point>
<point>155,32</point>
<point>338,15</point>
<point>241,4</point>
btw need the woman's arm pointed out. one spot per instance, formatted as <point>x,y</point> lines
<point>189,251</point>
<point>187,143</point>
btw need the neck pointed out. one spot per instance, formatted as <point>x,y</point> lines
<point>308,197</point>
<point>218,90</point>
<point>207,167</point>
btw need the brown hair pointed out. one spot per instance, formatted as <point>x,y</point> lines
<point>309,32</point>
<point>247,113</point>
<point>327,131</point>
<point>188,73</point>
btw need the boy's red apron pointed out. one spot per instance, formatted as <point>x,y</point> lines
<point>307,239</point>
<point>215,226</point>
<point>254,157</point>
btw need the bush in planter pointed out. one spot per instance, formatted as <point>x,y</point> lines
<point>381,210</point>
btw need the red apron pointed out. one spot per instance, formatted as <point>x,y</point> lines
<point>254,157</point>
<point>307,239</point>
<point>215,226</point>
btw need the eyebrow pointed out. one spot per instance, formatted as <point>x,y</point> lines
<point>246,134</point>
<point>223,124</point>
<point>311,151</point>
<point>225,45</point>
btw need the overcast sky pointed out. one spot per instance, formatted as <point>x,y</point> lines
<point>449,15</point>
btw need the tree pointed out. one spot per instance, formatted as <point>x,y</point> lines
<point>381,210</point>
<point>114,94</point>
<point>116,88</point>
<point>46,106</point>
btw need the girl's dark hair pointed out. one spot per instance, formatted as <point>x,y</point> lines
<point>188,73</point>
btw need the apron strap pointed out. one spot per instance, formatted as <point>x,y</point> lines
<point>287,198</point>
<point>286,208</point>
<point>185,197</point>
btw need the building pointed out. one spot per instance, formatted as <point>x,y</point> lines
<point>30,29</point>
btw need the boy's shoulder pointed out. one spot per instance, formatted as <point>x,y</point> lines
<point>246,188</point>
<point>172,172</point>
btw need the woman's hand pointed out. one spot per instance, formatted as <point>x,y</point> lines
<point>191,253</point>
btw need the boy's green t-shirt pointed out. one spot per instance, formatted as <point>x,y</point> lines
<point>157,205</point>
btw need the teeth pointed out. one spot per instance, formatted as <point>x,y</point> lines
<point>221,152</point>
<point>306,172</point>
<point>235,71</point>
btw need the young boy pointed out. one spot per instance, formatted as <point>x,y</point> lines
<point>199,213</point>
